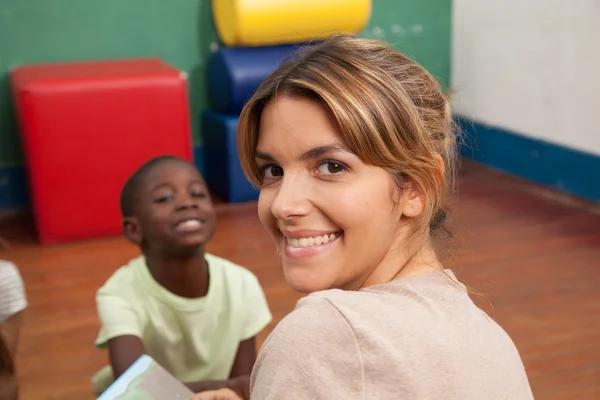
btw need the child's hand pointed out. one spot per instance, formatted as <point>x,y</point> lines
<point>240,385</point>
<point>221,394</point>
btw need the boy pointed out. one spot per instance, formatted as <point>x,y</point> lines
<point>196,314</point>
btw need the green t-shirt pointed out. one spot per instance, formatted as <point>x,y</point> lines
<point>193,339</point>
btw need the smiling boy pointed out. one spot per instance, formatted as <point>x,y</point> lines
<point>194,313</point>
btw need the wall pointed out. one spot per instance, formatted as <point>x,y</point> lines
<point>529,70</point>
<point>38,31</point>
<point>180,32</point>
<point>420,29</point>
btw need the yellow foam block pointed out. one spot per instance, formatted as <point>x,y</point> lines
<point>271,22</point>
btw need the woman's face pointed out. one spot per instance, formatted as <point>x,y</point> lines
<point>334,218</point>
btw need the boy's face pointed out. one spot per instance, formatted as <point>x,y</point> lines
<point>174,211</point>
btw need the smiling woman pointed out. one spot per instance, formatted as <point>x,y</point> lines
<point>315,187</point>
<point>362,149</point>
<point>351,145</point>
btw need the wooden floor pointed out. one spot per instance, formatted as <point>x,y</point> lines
<point>533,255</point>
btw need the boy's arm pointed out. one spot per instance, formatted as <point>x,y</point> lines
<point>244,359</point>
<point>123,351</point>
<point>239,379</point>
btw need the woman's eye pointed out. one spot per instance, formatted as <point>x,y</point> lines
<point>331,168</point>
<point>272,171</point>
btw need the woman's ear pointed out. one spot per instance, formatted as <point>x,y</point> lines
<point>413,201</point>
<point>132,230</point>
<point>413,195</point>
<point>441,164</point>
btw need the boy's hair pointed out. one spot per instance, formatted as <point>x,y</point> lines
<point>132,185</point>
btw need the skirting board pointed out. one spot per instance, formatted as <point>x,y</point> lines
<point>558,167</point>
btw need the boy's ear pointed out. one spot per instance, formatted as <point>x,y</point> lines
<point>132,230</point>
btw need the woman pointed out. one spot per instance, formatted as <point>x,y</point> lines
<point>352,147</point>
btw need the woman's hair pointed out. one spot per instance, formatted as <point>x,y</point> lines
<point>390,111</point>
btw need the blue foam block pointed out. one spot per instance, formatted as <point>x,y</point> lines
<point>235,73</point>
<point>222,169</point>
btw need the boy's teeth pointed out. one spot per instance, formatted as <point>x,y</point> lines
<point>309,241</point>
<point>189,223</point>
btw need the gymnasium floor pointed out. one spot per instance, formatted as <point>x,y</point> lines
<point>532,254</point>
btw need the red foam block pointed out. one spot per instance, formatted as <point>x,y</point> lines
<point>85,128</point>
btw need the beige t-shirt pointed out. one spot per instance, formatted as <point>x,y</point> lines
<point>419,337</point>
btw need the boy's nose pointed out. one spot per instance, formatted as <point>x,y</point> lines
<point>187,202</point>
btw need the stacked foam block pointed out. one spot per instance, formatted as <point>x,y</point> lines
<point>257,35</point>
<point>85,128</point>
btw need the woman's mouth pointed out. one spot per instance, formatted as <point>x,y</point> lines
<point>314,240</point>
<point>309,246</point>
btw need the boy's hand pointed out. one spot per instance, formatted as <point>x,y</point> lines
<point>240,385</point>
<point>221,394</point>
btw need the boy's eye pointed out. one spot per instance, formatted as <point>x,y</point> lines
<point>163,199</point>
<point>271,171</point>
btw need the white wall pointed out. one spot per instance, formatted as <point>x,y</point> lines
<point>530,66</point>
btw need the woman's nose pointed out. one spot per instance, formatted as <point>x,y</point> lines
<point>291,199</point>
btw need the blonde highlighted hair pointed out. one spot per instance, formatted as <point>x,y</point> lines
<point>390,111</point>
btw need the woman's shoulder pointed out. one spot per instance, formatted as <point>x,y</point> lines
<point>315,313</point>
<point>335,309</point>
<point>398,308</point>
<point>401,307</point>
<point>313,343</point>
<point>315,325</point>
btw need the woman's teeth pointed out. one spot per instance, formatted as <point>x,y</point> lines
<point>310,241</point>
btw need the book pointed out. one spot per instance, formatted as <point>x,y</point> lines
<point>145,379</point>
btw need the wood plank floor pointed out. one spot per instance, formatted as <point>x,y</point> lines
<point>532,255</point>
